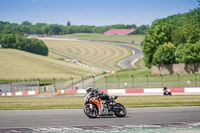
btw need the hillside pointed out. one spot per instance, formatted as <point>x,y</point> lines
<point>101,37</point>
<point>16,64</point>
<point>96,54</point>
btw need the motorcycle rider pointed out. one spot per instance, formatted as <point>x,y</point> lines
<point>97,103</point>
<point>100,94</point>
<point>166,91</point>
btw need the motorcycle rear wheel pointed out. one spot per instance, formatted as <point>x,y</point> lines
<point>92,113</point>
<point>121,113</point>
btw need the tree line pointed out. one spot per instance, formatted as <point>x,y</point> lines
<point>56,29</point>
<point>17,40</point>
<point>175,39</point>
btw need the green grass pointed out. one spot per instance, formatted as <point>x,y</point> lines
<point>140,64</point>
<point>135,38</point>
<point>19,65</point>
<point>160,101</point>
<point>42,81</point>
<point>76,102</point>
<point>96,54</point>
<point>30,103</point>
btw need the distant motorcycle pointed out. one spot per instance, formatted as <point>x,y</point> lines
<point>97,103</point>
<point>166,91</point>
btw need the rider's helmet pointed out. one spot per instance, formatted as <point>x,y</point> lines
<point>89,89</point>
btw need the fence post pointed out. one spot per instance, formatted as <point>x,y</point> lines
<point>16,86</point>
<point>29,86</point>
<point>61,83</point>
<point>25,85</point>
<point>72,83</point>
<point>82,82</point>
<point>147,81</point>
<point>38,84</point>
<point>118,81</point>
<point>161,79</point>
<point>93,81</point>
<point>13,84</point>
<point>34,85</point>
<point>178,79</point>
<point>105,82</point>
<point>132,77</point>
<point>178,83</point>
<point>195,79</point>
<point>8,86</point>
<point>54,83</point>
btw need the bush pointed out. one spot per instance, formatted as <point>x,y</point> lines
<point>188,53</point>
<point>16,40</point>
<point>158,35</point>
<point>165,54</point>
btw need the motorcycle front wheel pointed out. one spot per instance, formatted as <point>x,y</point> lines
<point>120,113</point>
<point>90,112</point>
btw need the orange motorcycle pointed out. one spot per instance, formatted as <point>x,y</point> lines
<point>97,103</point>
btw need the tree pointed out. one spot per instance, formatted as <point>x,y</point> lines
<point>26,23</point>
<point>68,23</point>
<point>188,53</point>
<point>39,28</point>
<point>191,26</point>
<point>55,29</point>
<point>16,40</point>
<point>180,29</point>
<point>158,35</point>
<point>8,38</point>
<point>26,29</point>
<point>165,54</point>
<point>38,47</point>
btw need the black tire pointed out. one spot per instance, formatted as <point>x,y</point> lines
<point>91,113</point>
<point>121,113</point>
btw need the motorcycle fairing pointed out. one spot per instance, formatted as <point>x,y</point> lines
<point>97,102</point>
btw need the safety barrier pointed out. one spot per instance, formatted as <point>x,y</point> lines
<point>138,91</point>
<point>22,93</point>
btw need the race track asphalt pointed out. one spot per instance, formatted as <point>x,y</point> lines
<point>129,62</point>
<point>76,117</point>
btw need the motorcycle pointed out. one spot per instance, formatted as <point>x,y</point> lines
<point>95,104</point>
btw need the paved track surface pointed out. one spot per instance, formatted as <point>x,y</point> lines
<point>76,117</point>
<point>129,62</point>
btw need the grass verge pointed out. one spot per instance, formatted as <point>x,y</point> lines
<point>76,102</point>
<point>101,37</point>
